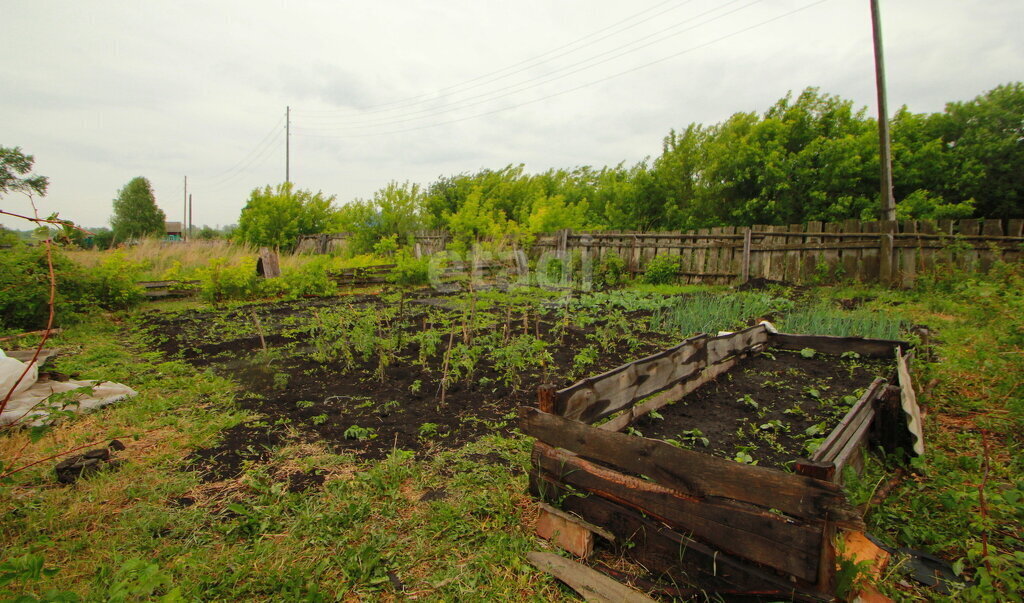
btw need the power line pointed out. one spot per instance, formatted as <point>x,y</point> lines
<point>531,83</point>
<point>538,59</point>
<point>276,129</point>
<point>581,86</point>
<point>261,158</point>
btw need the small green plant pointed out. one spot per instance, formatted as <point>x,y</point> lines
<point>743,456</point>
<point>304,403</point>
<point>361,434</point>
<point>428,430</point>
<point>281,380</point>
<point>320,420</point>
<point>416,386</point>
<point>808,352</point>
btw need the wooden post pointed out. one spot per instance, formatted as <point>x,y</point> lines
<point>546,398</point>
<point>745,263</point>
<point>267,265</point>
<point>885,253</point>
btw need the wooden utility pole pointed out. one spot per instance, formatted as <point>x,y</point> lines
<point>287,143</point>
<point>184,209</point>
<point>884,152</point>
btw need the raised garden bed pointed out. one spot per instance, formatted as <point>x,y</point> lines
<point>688,512</point>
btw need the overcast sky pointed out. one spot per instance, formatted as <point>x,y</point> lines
<point>103,91</point>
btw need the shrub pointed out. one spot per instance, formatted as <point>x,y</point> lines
<point>310,279</point>
<point>25,287</point>
<point>661,270</point>
<point>610,271</point>
<point>221,281</point>
<point>410,271</point>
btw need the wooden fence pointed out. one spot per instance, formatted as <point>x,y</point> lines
<point>893,253</point>
<point>888,252</point>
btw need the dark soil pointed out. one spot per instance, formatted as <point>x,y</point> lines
<point>765,406</point>
<point>354,410</point>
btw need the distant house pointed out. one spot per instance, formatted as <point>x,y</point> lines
<point>173,230</point>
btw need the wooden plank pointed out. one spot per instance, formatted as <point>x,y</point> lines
<point>992,227</point>
<point>810,260</point>
<point>852,452</point>
<point>849,257</point>
<point>594,398</point>
<point>870,262</point>
<point>778,258</point>
<point>850,423</point>
<point>759,260</point>
<point>664,552</point>
<point>968,261</point>
<point>693,473</point>
<point>721,347</point>
<point>759,536</point>
<point>727,259</point>
<point>925,256</point>
<point>908,401</point>
<point>569,535</point>
<point>908,256</point>
<point>832,256</point>
<point>589,583</point>
<point>829,344</point>
<point>670,395</point>
<point>794,258</point>
<point>1014,228</point>
<point>745,259</point>
<point>598,530</point>
<point>701,255</point>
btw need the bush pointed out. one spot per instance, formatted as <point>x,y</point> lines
<point>221,281</point>
<point>310,279</point>
<point>661,270</point>
<point>25,287</point>
<point>410,271</point>
<point>610,271</point>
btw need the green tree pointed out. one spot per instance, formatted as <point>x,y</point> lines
<point>276,217</point>
<point>15,167</point>
<point>135,212</point>
<point>986,137</point>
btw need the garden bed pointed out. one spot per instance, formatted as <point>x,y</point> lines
<point>417,373</point>
<point>694,517</point>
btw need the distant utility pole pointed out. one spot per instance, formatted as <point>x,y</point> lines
<point>884,151</point>
<point>190,215</point>
<point>287,143</point>
<point>184,209</point>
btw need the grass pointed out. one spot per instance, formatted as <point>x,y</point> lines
<point>164,259</point>
<point>369,534</point>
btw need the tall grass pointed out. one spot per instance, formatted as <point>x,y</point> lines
<point>166,259</point>
<point>822,319</point>
<point>706,313</point>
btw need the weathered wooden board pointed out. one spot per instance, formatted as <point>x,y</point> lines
<point>694,473</point>
<point>874,348</point>
<point>852,452</point>
<point>589,583</point>
<point>850,424</point>
<point>758,535</point>
<point>566,532</point>
<point>598,397</point>
<point>670,395</point>
<point>723,347</point>
<point>665,552</point>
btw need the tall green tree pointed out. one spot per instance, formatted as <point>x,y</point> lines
<point>15,173</point>
<point>135,212</point>
<point>276,217</point>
